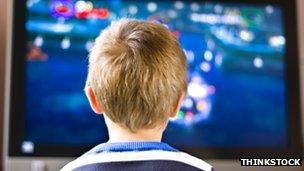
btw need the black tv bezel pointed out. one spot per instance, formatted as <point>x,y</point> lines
<point>17,95</point>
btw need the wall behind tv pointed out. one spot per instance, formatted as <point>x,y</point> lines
<point>3,19</point>
<point>300,10</point>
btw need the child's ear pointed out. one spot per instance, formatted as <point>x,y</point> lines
<point>178,105</point>
<point>95,105</point>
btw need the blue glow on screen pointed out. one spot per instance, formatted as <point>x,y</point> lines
<point>235,52</point>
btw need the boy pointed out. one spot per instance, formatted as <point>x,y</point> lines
<point>137,78</point>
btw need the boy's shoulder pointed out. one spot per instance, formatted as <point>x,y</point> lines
<point>136,156</point>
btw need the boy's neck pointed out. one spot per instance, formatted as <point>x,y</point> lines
<point>120,134</point>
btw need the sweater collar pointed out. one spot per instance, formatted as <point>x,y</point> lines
<point>131,146</point>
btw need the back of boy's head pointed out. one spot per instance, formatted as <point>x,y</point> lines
<point>138,72</point>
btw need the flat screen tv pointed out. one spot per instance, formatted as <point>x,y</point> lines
<point>243,92</point>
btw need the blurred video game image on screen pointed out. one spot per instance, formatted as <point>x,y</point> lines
<point>236,81</point>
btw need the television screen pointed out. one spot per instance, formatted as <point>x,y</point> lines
<point>237,87</point>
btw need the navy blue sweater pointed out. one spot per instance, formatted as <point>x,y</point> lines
<point>147,156</point>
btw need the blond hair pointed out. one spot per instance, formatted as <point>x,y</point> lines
<point>137,71</point>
